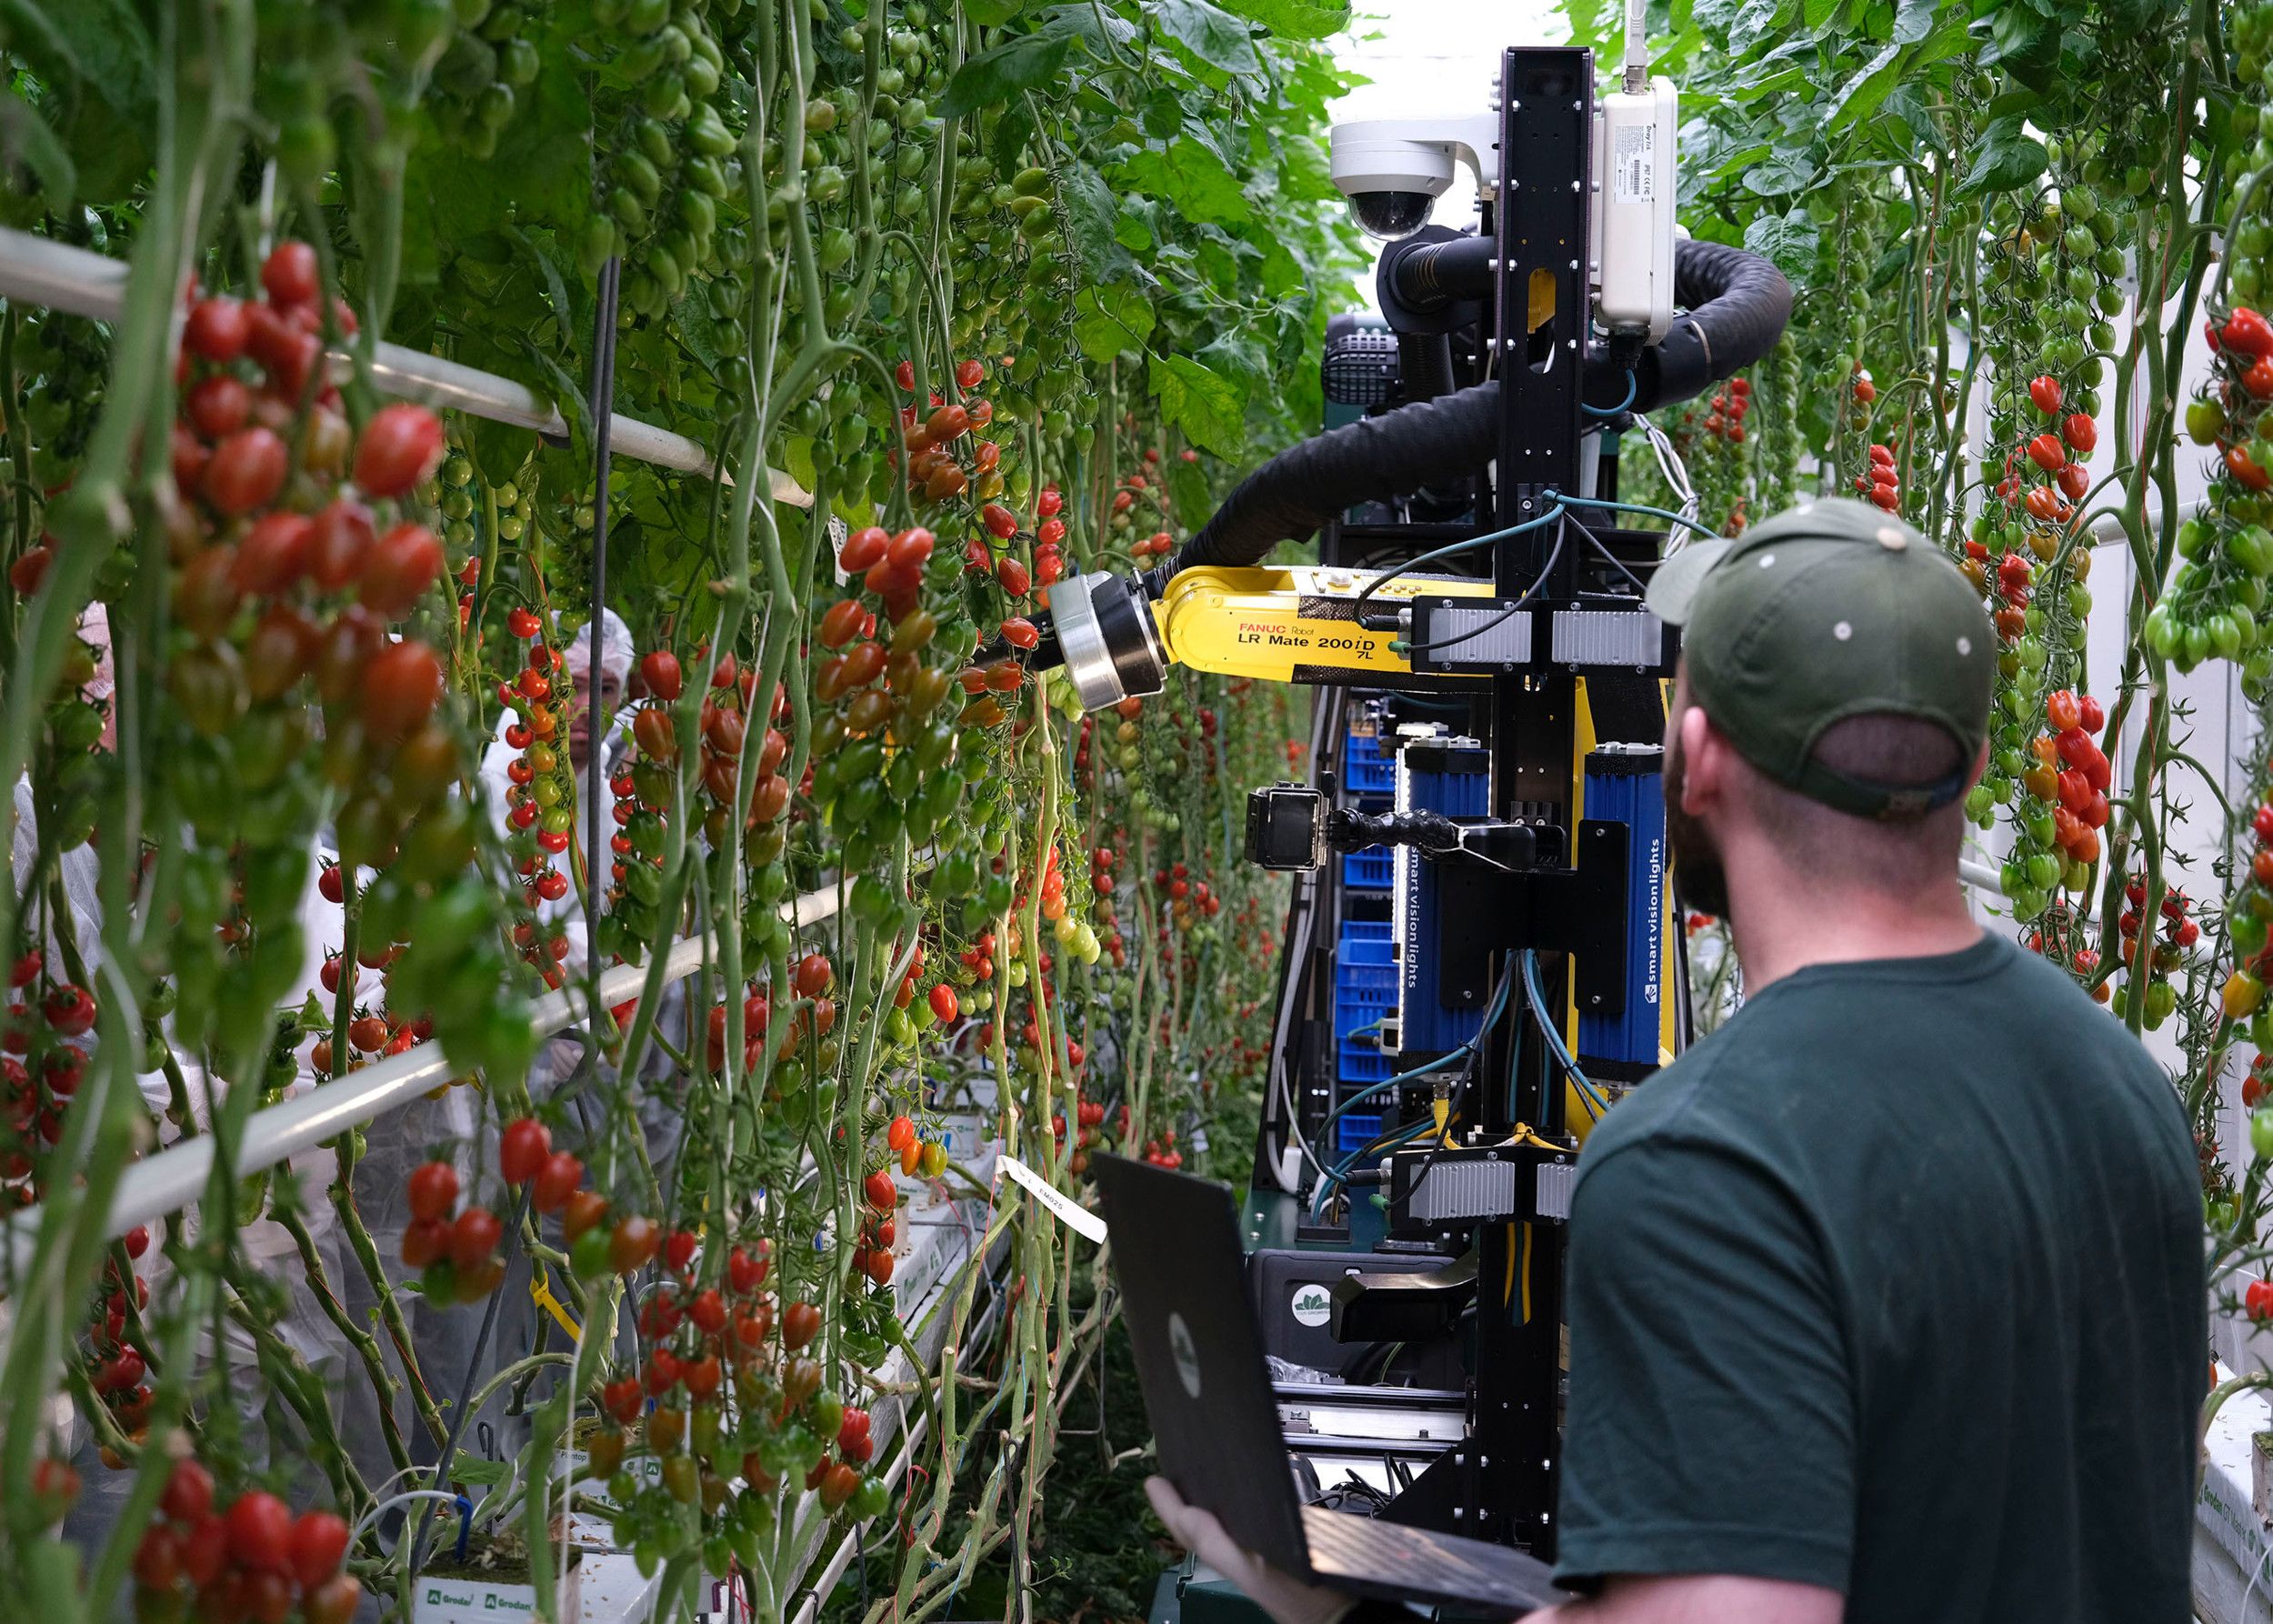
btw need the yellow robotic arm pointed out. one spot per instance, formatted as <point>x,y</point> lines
<point>1297,624</point>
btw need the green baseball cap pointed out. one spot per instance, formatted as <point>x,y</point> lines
<point>1827,612</point>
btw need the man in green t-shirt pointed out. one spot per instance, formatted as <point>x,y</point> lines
<point>1886,1301</point>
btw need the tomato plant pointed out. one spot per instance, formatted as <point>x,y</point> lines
<point>353,771</point>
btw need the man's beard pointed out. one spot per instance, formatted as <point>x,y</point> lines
<point>1699,881</point>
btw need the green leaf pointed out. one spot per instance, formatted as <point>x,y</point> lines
<point>1914,20</point>
<point>798,460</point>
<point>2008,158</point>
<point>1296,19</point>
<point>1191,175</point>
<point>1111,321</point>
<point>1788,241</point>
<point>25,139</point>
<point>1010,134</point>
<point>1187,488</point>
<point>98,59</point>
<point>1029,61</point>
<point>1096,219</point>
<point>1209,33</point>
<point>992,13</point>
<point>1860,97</point>
<point>1891,264</point>
<point>50,47</point>
<point>1210,408</point>
<point>1785,173</point>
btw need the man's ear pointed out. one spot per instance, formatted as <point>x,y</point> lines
<point>1704,768</point>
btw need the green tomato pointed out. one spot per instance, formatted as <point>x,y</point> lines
<point>588,1257</point>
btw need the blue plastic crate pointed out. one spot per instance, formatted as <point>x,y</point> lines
<point>1354,1130</point>
<point>1362,1065</point>
<point>1366,767</point>
<point>1369,870</point>
<point>1365,993</point>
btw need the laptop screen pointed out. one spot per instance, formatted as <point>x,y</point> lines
<point>1176,1254</point>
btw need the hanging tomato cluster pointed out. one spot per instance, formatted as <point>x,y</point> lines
<point>2211,605</point>
<point>2162,958</point>
<point>255,1559</point>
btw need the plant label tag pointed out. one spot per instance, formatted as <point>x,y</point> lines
<point>1069,1211</point>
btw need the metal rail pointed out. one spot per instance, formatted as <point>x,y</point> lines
<point>177,1175</point>
<point>37,270</point>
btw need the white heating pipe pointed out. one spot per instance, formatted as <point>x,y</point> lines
<point>177,1175</point>
<point>37,270</point>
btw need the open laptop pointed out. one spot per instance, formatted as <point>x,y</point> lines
<point>1175,1252</point>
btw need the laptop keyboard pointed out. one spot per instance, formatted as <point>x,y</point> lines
<point>1364,1547</point>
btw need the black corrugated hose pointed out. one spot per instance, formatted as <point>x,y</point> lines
<point>1737,305</point>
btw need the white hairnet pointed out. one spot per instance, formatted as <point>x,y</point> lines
<point>615,646</point>
<point>95,631</point>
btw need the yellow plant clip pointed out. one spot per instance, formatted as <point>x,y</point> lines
<point>541,1290</point>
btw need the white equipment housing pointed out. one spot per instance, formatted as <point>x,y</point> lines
<point>1631,254</point>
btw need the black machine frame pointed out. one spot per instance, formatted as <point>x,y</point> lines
<point>1500,1484</point>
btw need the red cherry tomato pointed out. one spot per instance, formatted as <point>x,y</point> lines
<point>433,1189</point>
<point>882,1193</point>
<point>474,1236</point>
<point>217,404</point>
<point>944,1006</point>
<point>660,671</point>
<point>188,1494</point>
<point>289,273</point>
<point>401,447</point>
<point>260,1532</point>
<point>273,555</point>
<point>319,1544</point>
<point>556,1181</point>
<point>522,1149</point>
<point>247,470</point>
<point>216,330</point>
<point>405,561</point>
<point>864,549</point>
<point>340,538</point>
<point>2046,393</point>
<point>911,550</point>
<point>2246,331</point>
<point>401,683</point>
<point>812,975</point>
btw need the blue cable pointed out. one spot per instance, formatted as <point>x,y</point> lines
<point>1659,513</point>
<point>1613,411</point>
<point>1340,1171</point>
<point>1334,1176</point>
<point>1555,1038</point>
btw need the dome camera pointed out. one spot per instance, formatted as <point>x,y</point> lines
<point>1393,170</point>
<point>1390,215</point>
